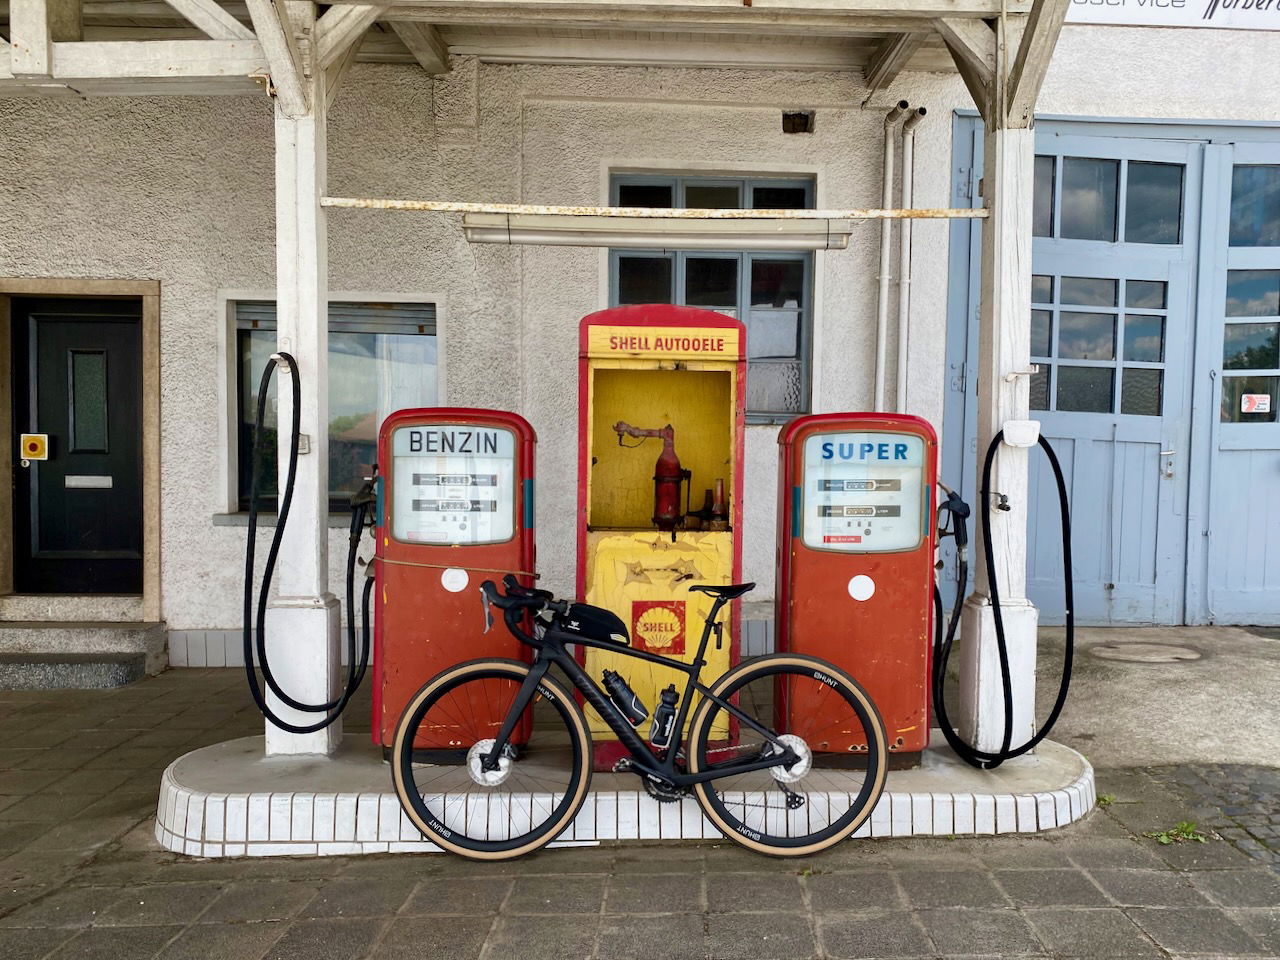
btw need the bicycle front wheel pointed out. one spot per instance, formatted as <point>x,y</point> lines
<point>826,719</point>
<point>541,779</point>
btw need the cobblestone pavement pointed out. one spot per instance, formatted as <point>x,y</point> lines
<point>81,876</point>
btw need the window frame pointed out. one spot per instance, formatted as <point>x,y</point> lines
<point>228,500</point>
<point>679,184</point>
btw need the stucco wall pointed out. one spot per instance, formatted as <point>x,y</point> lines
<point>180,190</point>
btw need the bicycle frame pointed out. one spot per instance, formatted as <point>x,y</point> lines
<point>551,649</point>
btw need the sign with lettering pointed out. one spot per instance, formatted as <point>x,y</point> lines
<point>715,343</point>
<point>863,492</point>
<point>1255,403</point>
<point>453,484</point>
<point>1220,14</point>
<point>658,626</point>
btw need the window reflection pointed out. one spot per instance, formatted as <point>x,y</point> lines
<point>1251,346</point>
<point>1087,336</point>
<point>1145,294</point>
<point>371,374</point>
<point>1144,338</point>
<point>1253,293</point>
<point>1153,207</point>
<point>1255,205</point>
<point>1088,291</point>
<point>1042,198</point>
<point>1089,190</point>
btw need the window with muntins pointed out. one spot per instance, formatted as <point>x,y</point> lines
<point>382,358</point>
<point>771,292</point>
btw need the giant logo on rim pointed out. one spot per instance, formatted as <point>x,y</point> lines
<point>658,626</point>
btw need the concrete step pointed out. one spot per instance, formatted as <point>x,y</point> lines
<point>95,639</point>
<point>46,607</point>
<point>62,671</point>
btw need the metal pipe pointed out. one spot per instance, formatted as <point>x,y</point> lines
<point>882,291</point>
<point>651,213</point>
<point>904,252</point>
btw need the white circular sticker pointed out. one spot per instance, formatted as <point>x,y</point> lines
<point>862,587</point>
<point>454,580</point>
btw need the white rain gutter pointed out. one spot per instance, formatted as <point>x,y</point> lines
<point>882,291</point>
<point>904,253</point>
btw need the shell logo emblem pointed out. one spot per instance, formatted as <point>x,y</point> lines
<point>658,625</point>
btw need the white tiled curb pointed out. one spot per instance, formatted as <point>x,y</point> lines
<point>321,824</point>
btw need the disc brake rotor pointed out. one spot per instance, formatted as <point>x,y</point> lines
<point>798,770</point>
<point>487,778</point>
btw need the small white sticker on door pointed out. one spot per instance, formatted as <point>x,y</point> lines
<point>1255,403</point>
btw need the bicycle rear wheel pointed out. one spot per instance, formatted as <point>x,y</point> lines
<point>540,782</point>
<point>822,714</point>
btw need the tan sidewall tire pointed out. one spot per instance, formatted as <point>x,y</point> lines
<point>702,790</point>
<point>578,728</point>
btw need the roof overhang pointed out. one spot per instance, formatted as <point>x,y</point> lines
<point>212,47</point>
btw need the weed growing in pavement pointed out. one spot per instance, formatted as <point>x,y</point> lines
<point>1179,833</point>
<point>1106,799</point>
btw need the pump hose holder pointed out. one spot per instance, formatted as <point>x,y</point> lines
<point>361,504</point>
<point>959,510</point>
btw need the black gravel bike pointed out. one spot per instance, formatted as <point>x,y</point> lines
<point>492,758</point>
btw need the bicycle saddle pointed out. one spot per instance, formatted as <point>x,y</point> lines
<point>729,591</point>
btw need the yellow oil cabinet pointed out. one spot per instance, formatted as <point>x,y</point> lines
<point>660,383</point>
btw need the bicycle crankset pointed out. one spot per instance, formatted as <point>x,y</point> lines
<point>663,793</point>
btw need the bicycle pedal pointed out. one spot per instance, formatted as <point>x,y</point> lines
<point>622,766</point>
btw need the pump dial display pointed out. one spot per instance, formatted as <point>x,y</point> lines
<point>453,484</point>
<point>863,492</point>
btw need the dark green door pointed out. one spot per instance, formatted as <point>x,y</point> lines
<point>78,379</point>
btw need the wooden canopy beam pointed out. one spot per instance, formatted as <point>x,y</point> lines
<point>281,52</point>
<point>339,28</point>
<point>890,58</point>
<point>1039,37</point>
<point>155,59</point>
<point>973,48</point>
<point>425,43</point>
<point>211,19</point>
<point>34,26</point>
<point>496,10</point>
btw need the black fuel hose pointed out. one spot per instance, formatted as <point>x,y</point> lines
<point>983,759</point>
<point>357,661</point>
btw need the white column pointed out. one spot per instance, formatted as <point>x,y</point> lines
<point>302,621</point>
<point>1004,346</point>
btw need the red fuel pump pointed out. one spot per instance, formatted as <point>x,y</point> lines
<point>455,509</point>
<point>855,559</point>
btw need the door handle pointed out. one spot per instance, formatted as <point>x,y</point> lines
<point>1168,464</point>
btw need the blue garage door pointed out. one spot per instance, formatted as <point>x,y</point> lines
<point>1240,362</point>
<point>1157,371</point>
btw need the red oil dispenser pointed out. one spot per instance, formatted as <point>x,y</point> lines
<point>668,475</point>
<point>855,559</point>
<point>455,509</point>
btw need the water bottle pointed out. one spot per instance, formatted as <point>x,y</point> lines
<point>624,698</point>
<point>664,718</point>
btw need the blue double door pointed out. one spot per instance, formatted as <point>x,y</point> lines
<point>1156,274</point>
